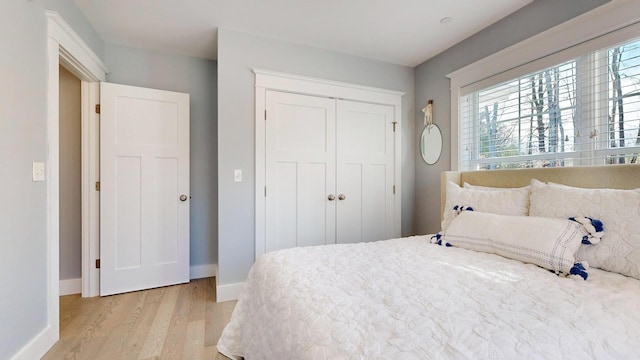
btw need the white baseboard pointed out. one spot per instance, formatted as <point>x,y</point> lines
<point>203,271</point>
<point>228,292</point>
<point>70,286</point>
<point>74,286</point>
<point>39,345</point>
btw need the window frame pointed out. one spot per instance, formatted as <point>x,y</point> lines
<point>600,28</point>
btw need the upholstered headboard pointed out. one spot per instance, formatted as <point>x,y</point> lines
<point>608,176</point>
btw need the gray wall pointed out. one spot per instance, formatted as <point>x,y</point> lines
<point>23,109</point>
<point>198,77</point>
<point>237,54</point>
<point>70,177</point>
<point>432,83</point>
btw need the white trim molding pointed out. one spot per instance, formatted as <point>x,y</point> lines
<point>90,127</point>
<point>70,286</point>
<point>74,51</point>
<point>70,51</point>
<point>274,80</point>
<point>40,344</point>
<point>203,271</point>
<point>228,292</point>
<point>64,46</point>
<point>271,80</point>
<point>569,37</point>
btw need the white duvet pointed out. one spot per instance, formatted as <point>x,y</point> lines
<point>408,299</point>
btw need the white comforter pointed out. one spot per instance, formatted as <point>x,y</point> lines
<point>408,299</point>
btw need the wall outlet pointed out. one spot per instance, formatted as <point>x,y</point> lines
<point>38,171</point>
<point>237,175</point>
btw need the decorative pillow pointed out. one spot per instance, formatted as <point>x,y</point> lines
<point>618,210</point>
<point>546,242</point>
<point>499,201</point>
<point>466,185</point>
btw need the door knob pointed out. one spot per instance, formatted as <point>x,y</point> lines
<point>331,197</point>
<point>183,197</point>
<point>341,197</point>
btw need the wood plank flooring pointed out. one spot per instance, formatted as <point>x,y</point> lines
<point>174,322</point>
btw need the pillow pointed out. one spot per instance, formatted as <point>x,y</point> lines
<point>618,210</point>
<point>466,185</point>
<point>499,201</point>
<point>546,242</point>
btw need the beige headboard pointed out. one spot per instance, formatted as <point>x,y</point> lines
<point>608,176</point>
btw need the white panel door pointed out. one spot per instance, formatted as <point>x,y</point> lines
<point>300,170</point>
<point>365,172</point>
<point>144,178</point>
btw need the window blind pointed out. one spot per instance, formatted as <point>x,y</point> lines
<point>584,111</point>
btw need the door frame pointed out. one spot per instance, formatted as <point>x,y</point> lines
<point>65,47</point>
<point>68,49</point>
<point>278,81</point>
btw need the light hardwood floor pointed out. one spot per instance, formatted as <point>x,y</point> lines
<point>174,322</point>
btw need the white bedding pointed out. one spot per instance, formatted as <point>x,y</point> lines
<point>408,299</point>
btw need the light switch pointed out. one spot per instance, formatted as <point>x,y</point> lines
<point>38,171</point>
<point>237,175</point>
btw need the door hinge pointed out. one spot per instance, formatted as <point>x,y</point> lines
<point>394,189</point>
<point>97,185</point>
<point>394,126</point>
<point>265,191</point>
<point>265,115</point>
<point>97,263</point>
<point>97,108</point>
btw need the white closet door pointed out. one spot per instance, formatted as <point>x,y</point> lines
<point>300,170</point>
<point>365,172</point>
<point>144,170</point>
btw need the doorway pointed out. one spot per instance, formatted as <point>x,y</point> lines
<point>65,47</point>
<point>70,246</point>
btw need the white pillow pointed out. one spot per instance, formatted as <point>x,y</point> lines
<point>619,210</point>
<point>548,243</point>
<point>499,201</point>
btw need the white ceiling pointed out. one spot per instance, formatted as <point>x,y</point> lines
<point>405,32</point>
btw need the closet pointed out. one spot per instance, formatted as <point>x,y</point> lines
<point>329,170</point>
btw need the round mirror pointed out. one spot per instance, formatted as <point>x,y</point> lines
<point>431,144</point>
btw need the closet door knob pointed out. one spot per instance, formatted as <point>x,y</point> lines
<point>331,197</point>
<point>341,197</point>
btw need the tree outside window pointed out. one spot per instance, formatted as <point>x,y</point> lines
<point>552,117</point>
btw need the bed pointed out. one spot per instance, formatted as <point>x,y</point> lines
<point>411,299</point>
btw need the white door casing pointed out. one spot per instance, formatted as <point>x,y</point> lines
<point>144,160</point>
<point>267,81</point>
<point>63,44</point>
<point>365,172</point>
<point>300,158</point>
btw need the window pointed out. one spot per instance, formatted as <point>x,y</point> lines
<point>585,111</point>
<point>623,128</point>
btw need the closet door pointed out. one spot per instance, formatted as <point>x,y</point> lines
<point>365,172</point>
<point>300,170</point>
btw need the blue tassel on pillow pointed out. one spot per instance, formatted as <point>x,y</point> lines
<point>579,271</point>
<point>585,240</point>
<point>594,227</point>
<point>457,209</point>
<point>437,239</point>
<point>597,224</point>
